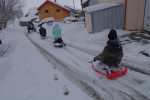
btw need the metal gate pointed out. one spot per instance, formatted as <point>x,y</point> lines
<point>147,16</point>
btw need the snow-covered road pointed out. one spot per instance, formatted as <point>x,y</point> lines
<point>35,70</point>
<point>76,60</point>
<point>26,75</point>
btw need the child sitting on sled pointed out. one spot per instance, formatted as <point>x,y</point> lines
<point>113,52</point>
<point>57,34</point>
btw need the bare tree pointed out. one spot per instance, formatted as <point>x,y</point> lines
<point>9,10</point>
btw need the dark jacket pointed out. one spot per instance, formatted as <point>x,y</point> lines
<point>112,53</point>
<point>42,32</point>
<point>114,46</point>
<point>0,42</point>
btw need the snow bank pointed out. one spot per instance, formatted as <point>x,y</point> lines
<point>70,18</point>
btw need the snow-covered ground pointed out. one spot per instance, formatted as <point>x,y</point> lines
<point>26,75</point>
<point>82,47</point>
<point>76,34</point>
<point>33,74</point>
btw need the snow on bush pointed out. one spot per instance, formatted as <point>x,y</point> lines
<point>5,48</point>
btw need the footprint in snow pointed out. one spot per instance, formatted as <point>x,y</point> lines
<point>65,91</point>
<point>55,77</point>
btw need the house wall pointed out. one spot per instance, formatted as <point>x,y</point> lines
<point>134,14</point>
<point>52,11</point>
<point>111,1</point>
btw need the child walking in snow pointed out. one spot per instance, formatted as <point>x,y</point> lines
<point>113,52</point>
<point>57,34</point>
<point>42,31</point>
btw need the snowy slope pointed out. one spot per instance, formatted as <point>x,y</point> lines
<point>133,85</point>
<point>33,74</point>
<point>26,75</point>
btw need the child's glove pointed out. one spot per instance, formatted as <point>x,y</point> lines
<point>94,59</point>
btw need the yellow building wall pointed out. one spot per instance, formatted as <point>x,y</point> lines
<point>52,12</point>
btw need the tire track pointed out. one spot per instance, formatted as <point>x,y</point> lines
<point>69,74</point>
<point>135,95</point>
<point>86,87</point>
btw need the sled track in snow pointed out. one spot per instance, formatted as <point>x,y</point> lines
<point>82,84</point>
<point>69,74</point>
<point>140,70</point>
<point>135,94</point>
<point>74,77</point>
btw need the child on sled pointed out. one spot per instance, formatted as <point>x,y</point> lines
<point>57,34</point>
<point>113,52</point>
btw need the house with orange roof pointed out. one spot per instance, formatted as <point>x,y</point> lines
<point>52,9</point>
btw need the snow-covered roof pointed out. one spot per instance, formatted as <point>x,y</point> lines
<point>72,8</point>
<point>46,20</point>
<point>60,5</point>
<point>70,18</point>
<point>100,7</point>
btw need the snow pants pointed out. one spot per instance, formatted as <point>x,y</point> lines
<point>108,58</point>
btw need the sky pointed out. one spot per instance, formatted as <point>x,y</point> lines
<point>36,3</point>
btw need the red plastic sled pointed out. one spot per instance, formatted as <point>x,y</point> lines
<point>114,74</point>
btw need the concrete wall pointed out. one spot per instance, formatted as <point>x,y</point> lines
<point>146,25</point>
<point>134,14</point>
<point>88,22</point>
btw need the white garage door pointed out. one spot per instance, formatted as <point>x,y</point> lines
<point>147,16</point>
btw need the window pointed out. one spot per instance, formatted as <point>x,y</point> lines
<point>46,11</point>
<point>57,10</point>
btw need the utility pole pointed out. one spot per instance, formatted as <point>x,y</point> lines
<point>74,4</point>
<point>81,4</point>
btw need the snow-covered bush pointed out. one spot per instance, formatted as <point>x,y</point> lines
<point>5,47</point>
<point>9,10</point>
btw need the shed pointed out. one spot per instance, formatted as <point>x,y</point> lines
<point>103,16</point>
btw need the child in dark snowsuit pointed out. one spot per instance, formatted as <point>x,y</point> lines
<point>42,31</point>
<point>0,42</point>
<point>113,52</point>
<point>31,27</point>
